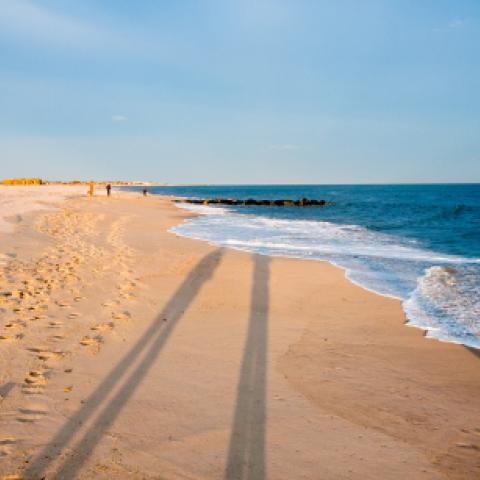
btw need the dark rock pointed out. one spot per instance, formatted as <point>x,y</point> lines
<point>303,202</point>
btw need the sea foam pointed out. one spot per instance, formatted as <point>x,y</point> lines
<point>439,291</point>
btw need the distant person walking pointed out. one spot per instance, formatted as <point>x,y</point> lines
<point>145,191</point>
<point>108,187</point>
<point>90,188</point>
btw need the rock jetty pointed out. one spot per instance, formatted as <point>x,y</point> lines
<point>303,202</point>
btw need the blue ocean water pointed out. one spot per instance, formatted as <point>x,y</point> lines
<point>419,243</point>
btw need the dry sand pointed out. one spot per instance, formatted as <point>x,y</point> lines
<point>127,352</point>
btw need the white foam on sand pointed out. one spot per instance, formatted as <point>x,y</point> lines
<point>440,292</point>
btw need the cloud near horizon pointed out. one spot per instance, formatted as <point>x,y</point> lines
<point>284,147</point>
<point>119,118</point>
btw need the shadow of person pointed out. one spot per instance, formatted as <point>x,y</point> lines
<point>246,453</point>
<point>150,345</point>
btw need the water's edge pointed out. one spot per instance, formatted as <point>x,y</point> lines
<point>405,303</point>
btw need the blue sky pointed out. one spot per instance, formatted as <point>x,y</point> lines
<point>241,91</point>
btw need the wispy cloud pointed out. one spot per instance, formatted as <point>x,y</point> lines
<point>285,147</point>
<point>455,24</point>
<point>25,20</point>
<point>32,24</point>
<point>119,118</point>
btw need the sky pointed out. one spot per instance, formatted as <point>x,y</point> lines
<point>241,91</point>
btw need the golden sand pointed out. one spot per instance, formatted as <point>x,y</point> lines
<point>130,353</point>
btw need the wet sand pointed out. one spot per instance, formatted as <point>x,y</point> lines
<point>129,352</point>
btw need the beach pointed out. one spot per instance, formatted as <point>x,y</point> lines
<point>130,352</point>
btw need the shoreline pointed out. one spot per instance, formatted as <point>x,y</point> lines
<point>347,273</point>
<point>331,362</point>
<point>333,264</point>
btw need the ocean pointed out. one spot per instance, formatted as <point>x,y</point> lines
<point>417,243</point>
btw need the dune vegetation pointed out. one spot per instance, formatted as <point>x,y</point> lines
<point>22,181</point>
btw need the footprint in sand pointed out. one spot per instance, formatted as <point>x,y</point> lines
<point>11,338</point>
<point>16,294</point>
<point>124,290</point>
<point>109,304</point>
<point>127,295</point>
<point>73,315</point>
<point>6,445</point>
<point>63,304</point>
<point>102,327</point>
<point>49,355</point>
<point>8,441</point>
<point>125,315</point>
<point>35,377</point>
<point>16,324</point>
<point>31,414</point>
<point>93,342</point>
<point>32,308</point>
<point>55,324</point>
<point>37,348</point>
<point>55,338</point>
<point>34,382</point>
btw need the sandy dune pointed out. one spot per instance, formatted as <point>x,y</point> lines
<point>128,352</point>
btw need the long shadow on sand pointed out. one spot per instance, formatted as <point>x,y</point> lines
<point>246,454</point>
<point>150,345</point>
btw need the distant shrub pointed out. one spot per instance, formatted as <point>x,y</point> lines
<point>22,181</point>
